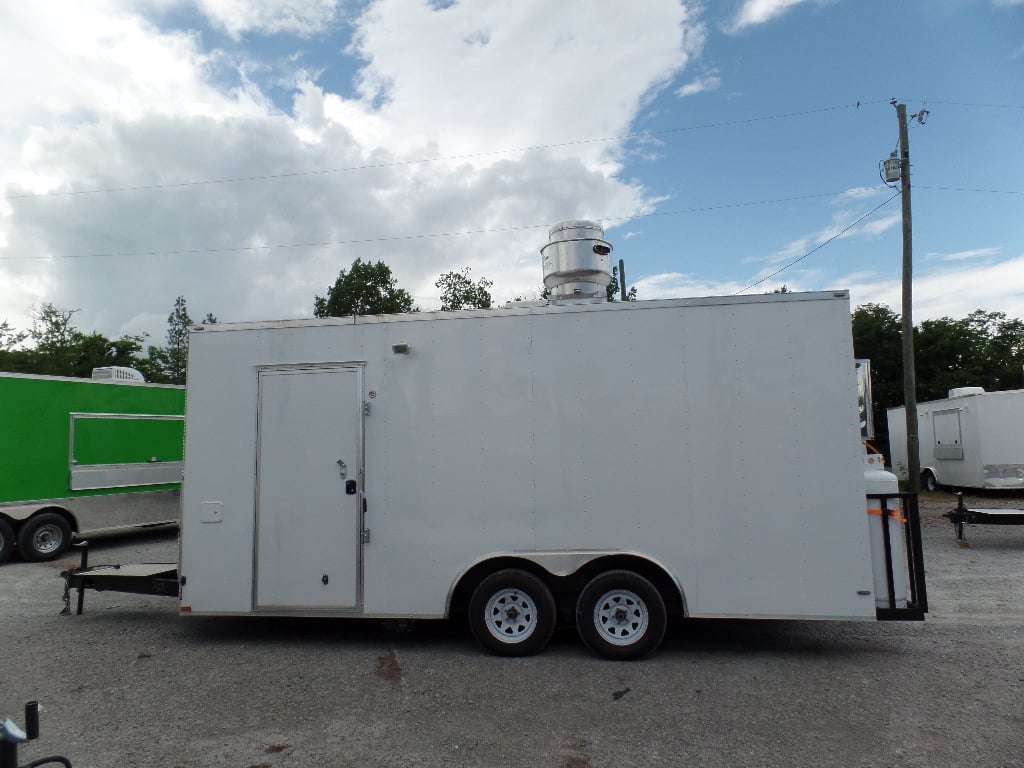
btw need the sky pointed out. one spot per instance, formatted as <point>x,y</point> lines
<point>240,153</point>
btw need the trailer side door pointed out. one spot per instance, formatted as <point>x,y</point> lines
<point>309,489</point>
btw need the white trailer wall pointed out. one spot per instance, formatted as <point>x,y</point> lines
<point>718,437</point>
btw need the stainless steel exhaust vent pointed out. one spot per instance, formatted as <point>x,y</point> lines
<point>577,261</point>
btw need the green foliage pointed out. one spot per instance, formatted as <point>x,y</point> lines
<point>458,291</point>
<point>877,336</point>
<point>170,364</point>
<point>60,349</point>
<point>366,289</point>
<point>612,289</point>
<point>984,349</point>
<point>10,338</point>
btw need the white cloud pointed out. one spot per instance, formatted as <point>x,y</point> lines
<point>873,227</point>
<point>113,101</point>
<point>950,292</point>
<point>708,82</point>
<point>754,12</point>
<point>841,219</point>
<point>302,17</point>
<point>965,255</point>
<point>670,285</point>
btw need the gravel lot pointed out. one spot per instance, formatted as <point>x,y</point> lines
<point>130,683</point>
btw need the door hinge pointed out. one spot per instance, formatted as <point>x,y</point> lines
<point>366,535</point>
<point>366,409</point>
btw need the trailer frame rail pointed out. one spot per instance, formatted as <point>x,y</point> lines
<point>962,516</point>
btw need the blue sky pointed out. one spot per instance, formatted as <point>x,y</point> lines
<point>717,142</point>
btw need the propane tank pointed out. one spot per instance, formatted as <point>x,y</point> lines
<point>878,480</point>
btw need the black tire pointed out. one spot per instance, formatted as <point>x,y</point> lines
<point>6,541</point>
<point>512,613</point>
<point>44,537</point>
<point>620,615</point>
<point>928,481</point>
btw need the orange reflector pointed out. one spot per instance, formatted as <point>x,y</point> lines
<point>186,609</point>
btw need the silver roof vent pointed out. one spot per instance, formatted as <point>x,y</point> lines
<point>577,261</point>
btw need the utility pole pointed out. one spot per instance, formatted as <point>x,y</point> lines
<point>909,375</point>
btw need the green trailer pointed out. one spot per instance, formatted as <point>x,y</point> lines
<point>85,456</point>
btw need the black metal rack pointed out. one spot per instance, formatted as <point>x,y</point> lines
<point>905,505</point>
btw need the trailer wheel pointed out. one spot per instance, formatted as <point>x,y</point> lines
<point>512,613</point>
<point>928,481</point>
<point>620,615</point>
<point>44,537</point>
<point>6,540</point>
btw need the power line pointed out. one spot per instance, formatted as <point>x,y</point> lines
<point>841,232</point>
<point>968,189</point>
<point>441,158</point>
<point>419,236</point>
<point>969,104</point>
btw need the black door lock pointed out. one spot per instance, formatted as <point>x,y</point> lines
<point>350,487</point>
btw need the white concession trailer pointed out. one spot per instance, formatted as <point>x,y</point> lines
<point>972,439</point>
<point>609,464</point>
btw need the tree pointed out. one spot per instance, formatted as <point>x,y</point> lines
<point>877,335</point>
<point>169,364</point>
<point>10,338</point>
<point>62,350</point>
<point>612,290</point>
<point>458,291</point>
<point>366,289</point>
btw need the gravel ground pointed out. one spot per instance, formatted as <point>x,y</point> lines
<point>130,683</point>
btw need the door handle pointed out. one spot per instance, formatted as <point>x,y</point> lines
<point>343,468</point>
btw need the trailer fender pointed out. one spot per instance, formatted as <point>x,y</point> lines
<point>18,513</point>
<point>567,571</point>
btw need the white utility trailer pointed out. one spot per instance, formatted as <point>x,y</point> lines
<point>609,464</point>
<point>972,439</point>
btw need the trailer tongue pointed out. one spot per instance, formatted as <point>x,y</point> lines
<point>134,578</point>
<point>963,516</point>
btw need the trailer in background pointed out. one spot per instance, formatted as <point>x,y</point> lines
<point>972,439</point>
<point>84,456</point>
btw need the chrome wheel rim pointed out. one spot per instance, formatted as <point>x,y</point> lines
<point>47,539</point>
<point>621,617</point>
<point>511,616</point>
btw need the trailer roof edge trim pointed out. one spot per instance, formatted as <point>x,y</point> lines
<point>551,308</point>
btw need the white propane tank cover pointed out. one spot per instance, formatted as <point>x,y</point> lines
<point>878,480</point>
